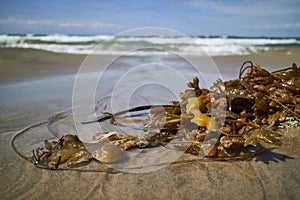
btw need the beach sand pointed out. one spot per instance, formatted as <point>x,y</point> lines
<point>36,85</point>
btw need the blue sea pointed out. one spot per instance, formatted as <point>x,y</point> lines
<point>146,45</point>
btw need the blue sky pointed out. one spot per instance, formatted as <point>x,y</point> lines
<point>202,17</point>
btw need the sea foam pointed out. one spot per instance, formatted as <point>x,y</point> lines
<point>145,45</point>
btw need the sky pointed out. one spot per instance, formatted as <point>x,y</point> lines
<point>277,18</point>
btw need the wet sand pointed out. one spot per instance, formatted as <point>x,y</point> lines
<point>42,87</point>
<point>19,65</point>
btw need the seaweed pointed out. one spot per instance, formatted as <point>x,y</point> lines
<point>233,120</point>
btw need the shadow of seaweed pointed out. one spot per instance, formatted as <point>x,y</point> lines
<point>271,156</point>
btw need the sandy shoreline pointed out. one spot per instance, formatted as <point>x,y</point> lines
<point>18,65</point>
<point>45,90</point>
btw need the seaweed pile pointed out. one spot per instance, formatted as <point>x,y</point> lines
<point>236,119</point>
<point>227,121</point>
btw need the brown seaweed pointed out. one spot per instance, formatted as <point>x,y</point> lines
<point>256,105</point>
<point>220,123</point>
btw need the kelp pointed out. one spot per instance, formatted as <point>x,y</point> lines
<point>225,122</point>
<point>230,117</point>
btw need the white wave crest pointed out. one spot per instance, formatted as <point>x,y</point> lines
<point>116,45</point>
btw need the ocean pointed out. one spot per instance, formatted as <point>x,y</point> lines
<point>147,45</point>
